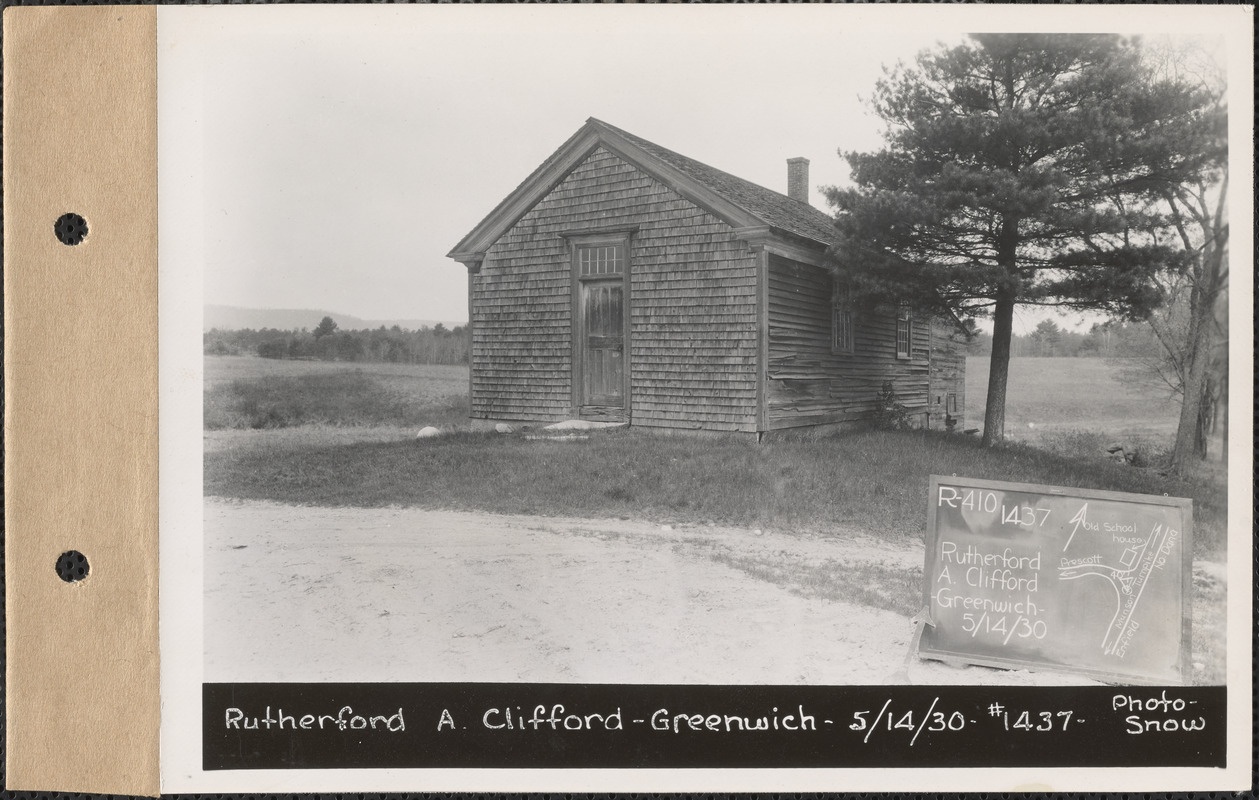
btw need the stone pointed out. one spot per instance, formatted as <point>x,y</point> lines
<point>428,432</point>
<point>581,425</point>
<point>503,427</point>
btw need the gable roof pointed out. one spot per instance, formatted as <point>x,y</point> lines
<point>741,203</point>
<point>776,209</point>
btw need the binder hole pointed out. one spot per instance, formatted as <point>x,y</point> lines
<point>70,229</point>
<point>72,566</point>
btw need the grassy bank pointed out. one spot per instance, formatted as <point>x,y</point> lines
<point>874,481</point>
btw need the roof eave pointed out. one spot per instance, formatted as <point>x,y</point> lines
<point>785,243</point>
<point>539,183</point>
<point>469,258</point>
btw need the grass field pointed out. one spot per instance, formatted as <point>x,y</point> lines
<point>1051,396</point>
<point>426,380</point>
<point>1045,394</point>
<point>343,436</point>
<point>242,392</point>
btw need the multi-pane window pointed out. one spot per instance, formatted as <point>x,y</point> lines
<point>600,259</point>
<point>841,323</point>
<point>904,330</point>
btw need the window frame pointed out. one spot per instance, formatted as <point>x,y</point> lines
<point>905,322</point>
<point>621,243</point>
<point>843,331</point>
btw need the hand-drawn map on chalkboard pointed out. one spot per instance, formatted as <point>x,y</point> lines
<point>1072,580</point>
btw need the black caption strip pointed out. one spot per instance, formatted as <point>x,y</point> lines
<point>401,725</point>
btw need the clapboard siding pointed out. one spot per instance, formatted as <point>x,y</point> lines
<point>806,383</point>
<point>948,374</point>
<point>692,305</point>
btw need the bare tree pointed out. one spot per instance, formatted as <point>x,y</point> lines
<point>1193,333</point>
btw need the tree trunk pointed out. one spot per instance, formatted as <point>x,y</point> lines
<point>1224,418</point>
<point>998,369</point>
<point>1206,418</point>
<point>1002,330</point>
<point>1184,453</point>
<point>1202,301</point>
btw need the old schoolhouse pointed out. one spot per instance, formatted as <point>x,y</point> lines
<point>624,282</point>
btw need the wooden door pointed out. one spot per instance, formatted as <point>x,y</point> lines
<point>603,343</point>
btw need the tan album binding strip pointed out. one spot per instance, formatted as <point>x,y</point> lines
<point>80,136</point>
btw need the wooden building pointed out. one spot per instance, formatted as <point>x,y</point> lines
<point>624,282</point>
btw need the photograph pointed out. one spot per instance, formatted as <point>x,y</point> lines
<point>677,347</point>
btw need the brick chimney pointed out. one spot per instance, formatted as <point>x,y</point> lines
<point>798,179</point>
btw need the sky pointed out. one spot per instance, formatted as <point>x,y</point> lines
<point>346,149</point>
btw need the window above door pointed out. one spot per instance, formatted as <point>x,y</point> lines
<point>597,260</point>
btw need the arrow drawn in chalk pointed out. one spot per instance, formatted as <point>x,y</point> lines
<point>1079,520</point>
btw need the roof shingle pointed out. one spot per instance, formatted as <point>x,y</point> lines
<point>776,209</point>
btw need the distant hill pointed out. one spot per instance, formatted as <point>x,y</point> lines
<point>231,318</point>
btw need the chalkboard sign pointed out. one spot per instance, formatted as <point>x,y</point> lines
<point>1048,578</point>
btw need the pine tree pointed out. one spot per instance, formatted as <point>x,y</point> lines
<point>326,326</point>
<point>1017,168</point>
<point>1047,336</point>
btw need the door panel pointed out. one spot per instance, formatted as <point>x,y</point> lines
<point>603,351</point>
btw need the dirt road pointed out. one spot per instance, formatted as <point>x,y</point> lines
<point>326,594</point>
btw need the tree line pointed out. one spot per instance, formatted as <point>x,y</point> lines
<point>1110,339</point>
<point>1086,171</point>
<point>327,342</point>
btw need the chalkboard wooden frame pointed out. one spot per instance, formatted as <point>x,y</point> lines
<point>1121,677</point>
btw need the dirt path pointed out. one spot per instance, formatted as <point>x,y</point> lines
<point>326,594</point>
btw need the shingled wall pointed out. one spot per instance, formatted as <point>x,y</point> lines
<point>692,301</point>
